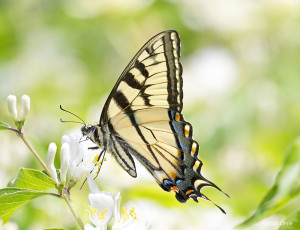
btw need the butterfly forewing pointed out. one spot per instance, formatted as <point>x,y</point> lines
<point>152,79</point>
<point>142,117</point>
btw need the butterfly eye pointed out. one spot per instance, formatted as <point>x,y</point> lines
<point>85,130</point>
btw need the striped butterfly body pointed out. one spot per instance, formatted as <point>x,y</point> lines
<point>142,118</point>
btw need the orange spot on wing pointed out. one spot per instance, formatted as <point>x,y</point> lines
<point>186,131</point>
<point>188,192</point>
<point>197,163</point>
<point>172,174</point>
<point>177,116</point>
<point>193,150</point>
<point>174,189</point>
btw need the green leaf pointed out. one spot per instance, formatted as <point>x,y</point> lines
<point>286,187</point>
<point>3,125</point>
<point>11,199</point>
<point>291,223</point>
<point>32,179</point>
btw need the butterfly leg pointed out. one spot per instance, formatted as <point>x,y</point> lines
<point>94,147</point>
<point>99,161</point>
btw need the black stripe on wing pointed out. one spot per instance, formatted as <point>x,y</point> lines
<point>122,154</point>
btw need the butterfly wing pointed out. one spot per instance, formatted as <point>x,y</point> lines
<point>151,79</point>
<point>162,141</point>
<point>143,116</point>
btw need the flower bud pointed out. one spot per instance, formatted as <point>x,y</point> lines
<point>65,161</point>
<point>50,161</point>
<point>12,106</point>
<point>25,107</point>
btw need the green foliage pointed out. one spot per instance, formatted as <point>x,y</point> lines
<point>27,186</point>
<point>286,187</point>
<point>11,199</point>
<point>292,222</point>
<point>32,179</point>
<point>3,125</point>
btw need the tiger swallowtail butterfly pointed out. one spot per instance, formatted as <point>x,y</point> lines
<point>142,118</point>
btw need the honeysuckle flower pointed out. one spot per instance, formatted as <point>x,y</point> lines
<point>123,218</point>
<point>64,161</point>
<point>81,159</point>
<point>101,206</point>
<point>108,205</point>
<point>12,106</point>
<point>25,107</point>
<point>50,161</point>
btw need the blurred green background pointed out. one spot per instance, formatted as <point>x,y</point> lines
<point>241,94</point>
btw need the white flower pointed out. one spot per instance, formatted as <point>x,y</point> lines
<point>64,161</point>
<point>101,206</point>
<point>104,205</point>
<point>50,161</point>
<point>25,107</point>
<point>81,159</point>
<point>12,106</point>
<point>122,218</point>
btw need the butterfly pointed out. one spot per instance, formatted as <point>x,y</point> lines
<point>142,118</point>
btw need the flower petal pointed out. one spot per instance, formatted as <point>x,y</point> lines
<point>12,106</point>
<point>50,161</point>
<point>25,107</point>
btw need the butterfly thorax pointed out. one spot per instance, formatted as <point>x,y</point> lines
<point>96,133</point>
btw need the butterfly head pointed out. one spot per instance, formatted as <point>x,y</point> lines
<point>88,131</point>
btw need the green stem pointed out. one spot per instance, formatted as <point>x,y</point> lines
<point>65,193</point>
<point>21,134</point>
<point>69,202</point>
<point>34,152</point>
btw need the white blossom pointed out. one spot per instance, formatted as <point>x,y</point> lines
<point>64,161</point>
<point>50,161</point>
<point>101,205</point>
<point>12,106</point>
<point>105,205</point>
<point>25,107</point>
<point>122,218</point>
<point>81,159</point>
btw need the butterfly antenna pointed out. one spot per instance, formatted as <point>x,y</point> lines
<point>61,120</point>
<point>83,122</point>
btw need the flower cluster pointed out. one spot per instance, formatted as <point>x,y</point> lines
<point>104,206</point>
<point>12,107</point>
<point>76,160</point>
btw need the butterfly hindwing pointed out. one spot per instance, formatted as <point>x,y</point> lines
<point>162,140</point>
